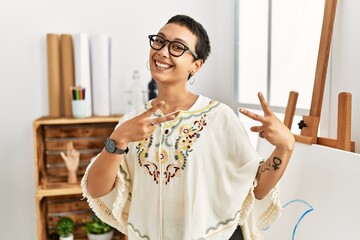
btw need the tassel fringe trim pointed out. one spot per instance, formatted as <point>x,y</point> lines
<point>115,218</point>
<point>273,212</point>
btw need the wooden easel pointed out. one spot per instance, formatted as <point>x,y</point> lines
<point>310,124</point>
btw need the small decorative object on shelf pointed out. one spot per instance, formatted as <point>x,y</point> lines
<point>71,159</point>
<point>136,92</point>
<point>152,89</point>
<point>65,228</point>
<point>98,230</point>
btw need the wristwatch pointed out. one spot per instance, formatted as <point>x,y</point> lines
<point>110,146</point>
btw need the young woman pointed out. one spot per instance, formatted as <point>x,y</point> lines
<point>182,167</point>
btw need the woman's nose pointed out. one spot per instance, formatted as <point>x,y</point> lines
<point>165,50</point>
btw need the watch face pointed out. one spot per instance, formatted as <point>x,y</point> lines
<point>110,145</point>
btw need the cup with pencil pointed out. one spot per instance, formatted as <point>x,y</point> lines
<point>78,101</point>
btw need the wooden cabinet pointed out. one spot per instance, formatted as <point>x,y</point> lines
<point>54,196</point>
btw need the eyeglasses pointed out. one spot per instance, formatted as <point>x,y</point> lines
<point>175,48</point>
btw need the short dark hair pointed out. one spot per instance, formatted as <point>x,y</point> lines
<point>203,45</point>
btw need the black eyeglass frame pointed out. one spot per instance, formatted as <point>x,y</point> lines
<point>186,48</point>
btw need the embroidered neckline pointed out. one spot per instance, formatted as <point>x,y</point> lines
<point>169,128</point>
<point>182,113</point>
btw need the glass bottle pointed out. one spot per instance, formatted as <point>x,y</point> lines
<point>136,92</point>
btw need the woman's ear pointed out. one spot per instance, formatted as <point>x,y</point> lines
<point>197,65</point>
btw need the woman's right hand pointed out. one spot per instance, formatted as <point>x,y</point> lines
<point>132,130</point>
<point>139,127</point>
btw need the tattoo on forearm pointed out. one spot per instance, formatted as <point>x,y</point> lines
<point>266,166</point>
<point>277,162</point>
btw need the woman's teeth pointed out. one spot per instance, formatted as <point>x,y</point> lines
<point>162,65</point>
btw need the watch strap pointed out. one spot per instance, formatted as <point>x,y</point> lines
<point>121,151</point>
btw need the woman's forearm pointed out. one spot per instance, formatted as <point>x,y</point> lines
<point>102,174</point>
<point>270,171</point>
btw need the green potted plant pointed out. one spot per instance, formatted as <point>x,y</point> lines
<point>65,228</point>
<point>98,230</point>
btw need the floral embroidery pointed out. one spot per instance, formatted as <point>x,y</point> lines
<point>164,156</point>
<point>183,146</point>
<point>188,135</point>
<point>143,149</point>
<point>143,154</point>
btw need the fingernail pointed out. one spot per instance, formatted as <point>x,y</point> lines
<point>241,110</point>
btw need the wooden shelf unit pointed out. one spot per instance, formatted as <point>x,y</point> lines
<point>56,198</point>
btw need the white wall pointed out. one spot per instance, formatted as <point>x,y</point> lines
<point>23,72</point>
<point>345,66</point>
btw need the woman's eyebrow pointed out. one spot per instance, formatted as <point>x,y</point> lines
<point>176,39</point>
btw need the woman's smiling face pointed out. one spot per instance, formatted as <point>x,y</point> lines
<point>167,68</point>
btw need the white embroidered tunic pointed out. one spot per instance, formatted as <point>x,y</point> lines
<point>193,178</point>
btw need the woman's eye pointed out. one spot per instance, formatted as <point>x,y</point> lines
<point>178,47</point>
<point>158,40</point>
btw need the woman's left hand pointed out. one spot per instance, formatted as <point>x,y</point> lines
<point>272,129</point>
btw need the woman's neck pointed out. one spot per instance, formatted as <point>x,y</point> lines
<point>175,98</point>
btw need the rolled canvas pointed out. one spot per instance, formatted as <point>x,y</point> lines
<point>82,68</point>
<point>100,49</point>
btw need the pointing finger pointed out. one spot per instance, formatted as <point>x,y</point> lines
<point>153,109</point>
<point>264,104</point>
<point>165,118</point>
<point>68,149</point>
<point>251,115</point>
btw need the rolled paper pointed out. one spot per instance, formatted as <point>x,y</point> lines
<point>100,74</point>
<point>82,68</point>
<point>53,60</point>
<point>67,72</point>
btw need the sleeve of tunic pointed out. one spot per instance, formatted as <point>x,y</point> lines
<point>255,215</point>
<point>112,208</point>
